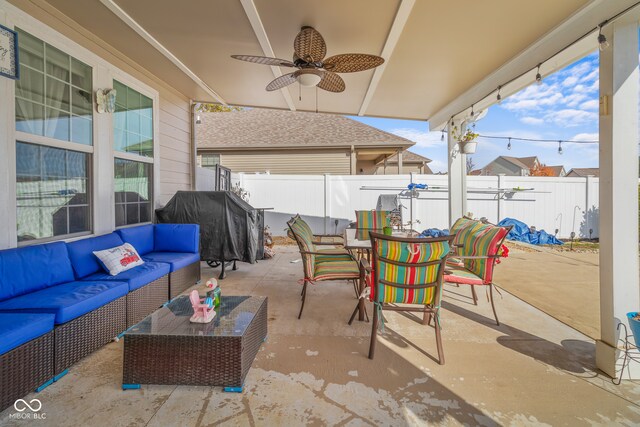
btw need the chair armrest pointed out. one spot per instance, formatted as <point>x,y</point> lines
<point>364,264</point>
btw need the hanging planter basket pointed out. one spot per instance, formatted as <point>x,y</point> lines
<point>469,147</point>
<point>634,323</point>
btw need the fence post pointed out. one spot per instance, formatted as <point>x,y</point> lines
<point>587,203</point>
<point>412,204</point>
<point>501,183</point>
<point>327,200</point>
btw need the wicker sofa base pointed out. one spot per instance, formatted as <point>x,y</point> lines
<point>145,300</point>
<point>194,360</point>
<point>25,368</point>
<point>183,279</point>
<point>82,336</point>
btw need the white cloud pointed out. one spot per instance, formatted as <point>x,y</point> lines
<point>421,138</point>
<point>532,121</point>
<point>571,117</point>
<point>592,104</point>
<point>586,137</point>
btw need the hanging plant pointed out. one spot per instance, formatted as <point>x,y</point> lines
<point>466,140</point>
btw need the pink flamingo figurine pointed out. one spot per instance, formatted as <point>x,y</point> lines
<point>202,312</point>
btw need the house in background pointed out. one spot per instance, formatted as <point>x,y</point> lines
<point>411,162</point>
<point>517,166</point>
<point>583,172</point>
<point>295,142</point>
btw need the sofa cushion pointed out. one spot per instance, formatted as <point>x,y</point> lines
<point>141,237</point>
<point>136,277</point>
<point>31,268</point>
<point>176,260</point>
<point>83,260</point>
<point>67,301</point>
<point>176,238</point>
<point>19,328</point>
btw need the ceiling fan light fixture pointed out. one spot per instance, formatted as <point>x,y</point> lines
<point>309,79</point>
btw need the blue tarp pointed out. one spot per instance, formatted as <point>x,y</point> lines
<point>434,232</point>
<point>522,233</point>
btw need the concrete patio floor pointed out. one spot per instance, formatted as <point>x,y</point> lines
<point>531,370</point>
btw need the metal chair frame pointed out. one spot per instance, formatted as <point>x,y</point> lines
<point>429,311</point>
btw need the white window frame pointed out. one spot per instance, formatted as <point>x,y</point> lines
<point>145,90</point>
<point>103,154</point>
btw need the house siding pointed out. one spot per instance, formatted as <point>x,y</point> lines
<point>306,162</point>
<point>175,159</point>
<point>172,117</point>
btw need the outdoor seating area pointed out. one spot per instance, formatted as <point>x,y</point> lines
<point>531,369</point>
<point>211,214</point>
<point>59,303</point>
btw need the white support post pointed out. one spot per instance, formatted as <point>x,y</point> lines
<point>327,201</point>
<point>619,283</point>
<point>353,161</point>
<point>457,177</point>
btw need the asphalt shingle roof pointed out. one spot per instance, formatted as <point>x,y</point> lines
<point>262,128</point>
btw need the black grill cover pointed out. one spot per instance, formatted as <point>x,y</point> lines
<point>230,228</point>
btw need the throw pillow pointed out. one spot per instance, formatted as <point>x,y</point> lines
<point>119,259</point>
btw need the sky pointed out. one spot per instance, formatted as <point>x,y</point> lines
<point>564,106</point>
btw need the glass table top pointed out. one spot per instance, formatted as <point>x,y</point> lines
<point>232,318</point>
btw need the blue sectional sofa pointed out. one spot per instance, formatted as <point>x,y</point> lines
<point>58,305</point>
<point>175,244</point>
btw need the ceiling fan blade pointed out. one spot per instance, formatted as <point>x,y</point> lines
<point>352,62</point>
<point>281,82</point>
<point>264,60</point>
<point>309,45</point>
<point>332,82</point>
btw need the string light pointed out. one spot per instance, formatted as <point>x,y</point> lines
<point>442,136</point>
<point>602,39</point>
<point>472,114</point>
<point>516,138</point>
<point>559,147</point>
<point>509,144</point>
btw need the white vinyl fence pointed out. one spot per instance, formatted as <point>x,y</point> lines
<point>328,202</point>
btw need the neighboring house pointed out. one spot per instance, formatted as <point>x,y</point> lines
<point>411,162</point>
<point>294,142</point>
<point>516,166</point>
<point>583,172</point>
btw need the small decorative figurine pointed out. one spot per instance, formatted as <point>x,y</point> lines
<point>216,291</point>
<point>203,311</point>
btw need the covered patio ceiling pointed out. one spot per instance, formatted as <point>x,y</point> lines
<point>439,55</point>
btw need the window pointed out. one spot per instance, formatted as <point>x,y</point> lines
<point>133,192</point>
<point>53,192</point>
<point>54,93</point>
<point>133,121</point>
<point>133,134</point>
<point>53,174</point>
<point>209,160</point>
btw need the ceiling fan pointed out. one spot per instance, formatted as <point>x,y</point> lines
<point>313,69</point>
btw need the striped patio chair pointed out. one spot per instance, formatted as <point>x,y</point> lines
<point>371,220</point>
<point>478,248</point>
<point>318,239</point>
<point>321,266</point>
<point>406,271</point>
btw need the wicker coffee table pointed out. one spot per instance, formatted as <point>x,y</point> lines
<point>165,348</point>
